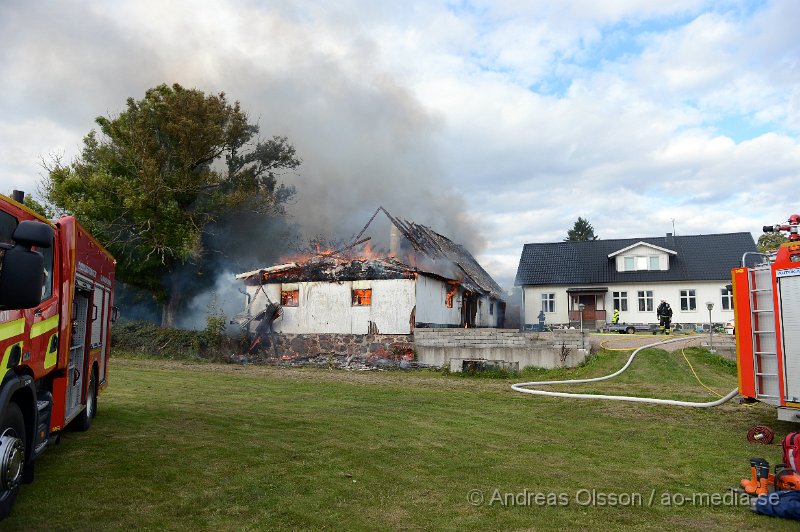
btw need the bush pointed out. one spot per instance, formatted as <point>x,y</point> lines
<point>148,339</point>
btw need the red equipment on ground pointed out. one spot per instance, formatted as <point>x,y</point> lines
<point>56,291</point>
<point>767,309</point>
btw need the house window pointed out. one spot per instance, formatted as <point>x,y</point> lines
<point>290,295</point>
<point>491,309</point>
<point>362,293</point>
<point>548,302</point>
<point>620,301</point>
<point>688,300</point>
<point>645,300</point>
<point>655,263</point>
<point>727,298</point>
<point>629,264</point>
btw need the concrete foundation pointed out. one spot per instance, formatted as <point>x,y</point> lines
<point>452,347</point>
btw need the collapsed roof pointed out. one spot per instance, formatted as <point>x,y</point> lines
<point>433,254</point>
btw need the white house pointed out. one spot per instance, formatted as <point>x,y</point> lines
<point>632,275</point>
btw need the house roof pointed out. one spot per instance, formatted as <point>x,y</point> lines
<point>328,269</point>
<point>697,258</point>
<point>448,258</point>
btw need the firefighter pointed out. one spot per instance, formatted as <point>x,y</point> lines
<point>664,313</point>
<point>615,317</point>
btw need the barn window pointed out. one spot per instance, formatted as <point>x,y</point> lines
<point>362,293</point>
<point>290,295</point>
<point>451,292</point>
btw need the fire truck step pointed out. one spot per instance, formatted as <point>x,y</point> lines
<point>44,403</point>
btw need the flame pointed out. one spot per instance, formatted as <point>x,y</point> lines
<point>368,252</point>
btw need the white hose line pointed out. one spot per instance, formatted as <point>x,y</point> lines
<point>523,387</point>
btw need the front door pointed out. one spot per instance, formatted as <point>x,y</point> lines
<point>589,307</point>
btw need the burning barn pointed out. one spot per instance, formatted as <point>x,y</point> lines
<point>424,280</point>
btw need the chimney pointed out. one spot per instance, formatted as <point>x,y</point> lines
<point>394,241</point>
<point>670,241</point>
<point>18,196</point>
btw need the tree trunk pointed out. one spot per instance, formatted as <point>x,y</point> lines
<point>172,306</point>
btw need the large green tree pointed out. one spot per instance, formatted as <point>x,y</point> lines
<point>161,172</point>
<point>770,242</point>
<point>581,230</point>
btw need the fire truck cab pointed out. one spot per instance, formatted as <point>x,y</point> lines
<point>56,285</point>
<point>767,309</point>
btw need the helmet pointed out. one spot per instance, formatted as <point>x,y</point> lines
<point>794,219</point>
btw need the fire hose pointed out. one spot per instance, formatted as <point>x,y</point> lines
<point>524,387</point>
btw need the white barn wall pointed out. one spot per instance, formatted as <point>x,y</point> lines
<point>705,291</point>
<point>484,317</point>
<point>431,307</point>
<point>326,307</point>
<point>392,303</point>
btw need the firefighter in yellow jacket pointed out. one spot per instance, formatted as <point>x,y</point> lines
<point>615,317</point>
<point>664,313</point>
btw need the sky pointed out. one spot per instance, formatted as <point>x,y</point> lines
<point>497,123</point>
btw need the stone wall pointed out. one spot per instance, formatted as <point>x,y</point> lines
<point>453,347</point>
<point>336,350</point>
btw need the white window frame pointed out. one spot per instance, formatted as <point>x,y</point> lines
<point>726,296</point>
<point>619,300</point>
<point>641,263</point>
<point>689,296</point>
<point>548,302</point>
<point>645,300</point>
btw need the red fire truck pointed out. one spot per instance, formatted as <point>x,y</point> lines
<point>767,310</point>
<point>56,289</point>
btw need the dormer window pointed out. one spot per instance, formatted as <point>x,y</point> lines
<point>634,263</point>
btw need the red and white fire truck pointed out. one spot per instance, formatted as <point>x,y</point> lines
<point>56,292</point>
<point>766,293</point>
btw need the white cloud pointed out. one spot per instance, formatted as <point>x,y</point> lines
<point>428,108</point>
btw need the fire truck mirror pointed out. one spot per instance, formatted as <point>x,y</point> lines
<point>29,233</point>
<point>21,277</point>
<point>21,274</point>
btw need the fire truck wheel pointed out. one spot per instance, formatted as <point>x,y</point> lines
<point>84,420</point>
<point>13,425</point>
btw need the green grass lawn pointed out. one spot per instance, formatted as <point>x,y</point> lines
<point>205,446</point>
